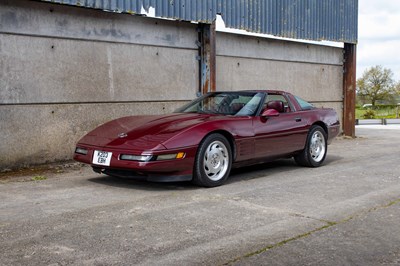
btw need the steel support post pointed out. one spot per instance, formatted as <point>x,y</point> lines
<point>349,89</point>
<point>207,57</point>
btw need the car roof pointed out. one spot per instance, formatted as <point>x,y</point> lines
<point>266,91</point>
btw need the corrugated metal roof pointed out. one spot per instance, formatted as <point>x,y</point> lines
<point>331,20</point>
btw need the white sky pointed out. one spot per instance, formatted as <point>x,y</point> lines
<point>379,35</point>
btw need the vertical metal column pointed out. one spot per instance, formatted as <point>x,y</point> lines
<point>207,57</point>
<point>349,89</point>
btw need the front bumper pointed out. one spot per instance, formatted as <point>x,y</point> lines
<point>159,171</point>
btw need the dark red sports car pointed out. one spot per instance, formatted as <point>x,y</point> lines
<point>204,139</point>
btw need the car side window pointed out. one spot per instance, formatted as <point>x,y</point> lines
<point>304,104</point>
<point>277,97</point>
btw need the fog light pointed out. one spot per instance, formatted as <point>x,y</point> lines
<point>140,158</point>
<point>81,151</point>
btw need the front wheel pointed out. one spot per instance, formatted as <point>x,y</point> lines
<point>213,161</point>
<point>315,150</point>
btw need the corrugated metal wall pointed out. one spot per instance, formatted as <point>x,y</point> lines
<point>331,20</point>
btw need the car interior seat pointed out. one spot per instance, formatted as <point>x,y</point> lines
<point>235,107</point>
<point>277,105</point>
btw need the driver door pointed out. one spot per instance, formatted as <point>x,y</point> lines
<point>279,135</point>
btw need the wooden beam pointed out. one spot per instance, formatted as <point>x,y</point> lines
<point>349,90</point>
<point>207,57</point>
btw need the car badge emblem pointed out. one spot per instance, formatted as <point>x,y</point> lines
<point>122,135</point>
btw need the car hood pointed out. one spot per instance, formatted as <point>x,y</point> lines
<point>142,132</point>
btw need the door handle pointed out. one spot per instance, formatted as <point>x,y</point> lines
<point>298,119</point>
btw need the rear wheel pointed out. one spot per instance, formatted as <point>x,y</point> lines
<point>315,150</point>
<point>213,161</point>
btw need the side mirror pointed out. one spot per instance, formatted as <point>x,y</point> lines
<point>269,113</point>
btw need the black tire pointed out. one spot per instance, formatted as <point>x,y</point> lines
<point>213,161</point>
<point>314,152</point>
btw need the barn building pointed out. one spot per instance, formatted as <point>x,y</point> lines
<point>67,66</point>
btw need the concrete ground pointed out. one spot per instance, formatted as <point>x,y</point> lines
<point>344,213</point>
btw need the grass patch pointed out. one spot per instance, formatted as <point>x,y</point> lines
<point>38,178</point>
<point>380,113</point>
<point>267,248</point>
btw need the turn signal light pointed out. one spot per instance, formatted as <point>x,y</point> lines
<point>179,155</point>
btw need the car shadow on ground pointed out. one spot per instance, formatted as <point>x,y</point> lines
<point>283,166</point>
<point>263,170</point>
<point>141,185</point>
<point>331,159</point>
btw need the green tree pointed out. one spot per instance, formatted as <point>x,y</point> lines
<point>375,84</point>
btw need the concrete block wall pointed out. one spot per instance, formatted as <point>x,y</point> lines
<point>313,72</point>
<point>65,70</point>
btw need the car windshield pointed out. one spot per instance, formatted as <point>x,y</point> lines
<point>225,103</point>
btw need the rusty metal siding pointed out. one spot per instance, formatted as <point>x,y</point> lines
<point>331,20</point>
